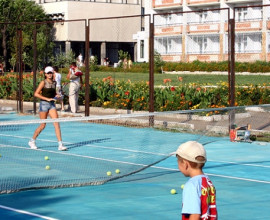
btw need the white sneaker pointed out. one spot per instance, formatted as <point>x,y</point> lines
<point>62,148</point>
<point>32,145</point>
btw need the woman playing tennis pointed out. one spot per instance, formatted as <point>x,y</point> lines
<point>46,92</point>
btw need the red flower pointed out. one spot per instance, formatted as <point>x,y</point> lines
<point>172,89</point>
<point>127,93</point>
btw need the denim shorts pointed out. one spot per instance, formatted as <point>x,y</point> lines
<point>45,106</point>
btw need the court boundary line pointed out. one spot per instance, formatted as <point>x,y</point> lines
<point>238,163</point>
<point>78,155</point>
<point>218,175</point>
<point>144,165</point>
<point>90,145</point>
<point>124,149</point>
<point>26,212</point>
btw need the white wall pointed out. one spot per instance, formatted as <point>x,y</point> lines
<point>109,30</point>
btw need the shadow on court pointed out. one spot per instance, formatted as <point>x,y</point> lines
<point>78,144</point>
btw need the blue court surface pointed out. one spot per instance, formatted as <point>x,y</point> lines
<point>239,171</point>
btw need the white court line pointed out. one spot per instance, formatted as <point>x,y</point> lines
<point>223,176</point>
<point>91,145</point>
<point>115,161</point>
<point>134,151</point>
<point>27,213</point>
<point>164,168</point>
<point>244,164</point>
<point>77,155</point>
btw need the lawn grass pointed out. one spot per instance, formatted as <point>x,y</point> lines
<point>187,78</point>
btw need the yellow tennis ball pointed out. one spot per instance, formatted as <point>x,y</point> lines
<point>46,158</point>
<point>48,167</point>
<point>173,191</point>
<point>182,186</point>
<point>109,173</point>
<point>117,171</point>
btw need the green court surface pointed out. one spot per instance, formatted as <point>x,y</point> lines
<point>239,171</point>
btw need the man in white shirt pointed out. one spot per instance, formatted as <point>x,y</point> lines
<point>58,78</point>
<point>75,84</point>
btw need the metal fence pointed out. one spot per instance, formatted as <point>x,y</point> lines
<point>195,35</point>
<point>207,35</point>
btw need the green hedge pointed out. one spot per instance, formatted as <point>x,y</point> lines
<point>253,67</point>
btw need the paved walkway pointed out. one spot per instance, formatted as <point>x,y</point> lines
<point>259,120</point>
<point>28,108</point>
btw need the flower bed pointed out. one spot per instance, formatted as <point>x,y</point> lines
<point>110,93</point>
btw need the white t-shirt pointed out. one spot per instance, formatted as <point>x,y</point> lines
<point>58,78</point>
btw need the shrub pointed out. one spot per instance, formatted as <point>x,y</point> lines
<point>111,93</point>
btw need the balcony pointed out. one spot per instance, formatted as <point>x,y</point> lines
<point>202,28</point>
<point>197,2</point>
<point>166,3</point>
<point>171,30</point>
<point>247,26</point>
<point>242,1</point>
<point>172,58</point>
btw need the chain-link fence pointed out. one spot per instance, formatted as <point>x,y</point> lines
<point>183,38</point>
<point>251,55</point>
<point>39,44</point>
<point>123,83</point>
<point>126,51</point>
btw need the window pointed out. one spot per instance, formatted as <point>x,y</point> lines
<point>142,11</point>
<point>142,49</point>
<point>202,16</point>
<point>248,43</point>
<point>248,14</point>
<point>203,44</point>
<point>168,45</point>
<point>168,19</point>
<point>241,14</point>
<point>240,43</point>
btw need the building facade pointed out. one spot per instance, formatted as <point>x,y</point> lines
<point>188,30</point>
<point>105,42</point>
<point>185,30</point>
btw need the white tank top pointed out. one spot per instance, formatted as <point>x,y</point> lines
<point>58,79</point>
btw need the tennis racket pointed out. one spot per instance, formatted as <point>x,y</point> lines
<point>70,88</point>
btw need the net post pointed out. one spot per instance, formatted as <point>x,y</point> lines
<point>232,72</point>
<point>151,71</point>
<point>87,86</point>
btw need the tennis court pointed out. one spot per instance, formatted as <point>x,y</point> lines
<point>238,170</point>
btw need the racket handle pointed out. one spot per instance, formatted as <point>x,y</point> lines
<point>56,98</point>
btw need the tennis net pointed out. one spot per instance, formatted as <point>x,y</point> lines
<point>106,148</point>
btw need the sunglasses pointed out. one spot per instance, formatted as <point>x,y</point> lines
<point>50,73</point>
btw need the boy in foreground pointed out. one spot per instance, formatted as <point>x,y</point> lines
<point>199,194</point>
